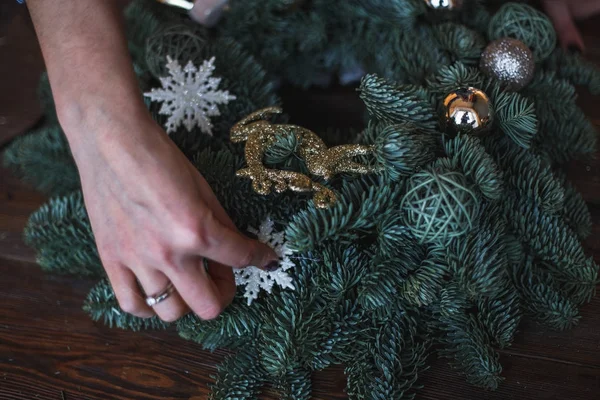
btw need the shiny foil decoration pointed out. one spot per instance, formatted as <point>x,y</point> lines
<point>260,134</point>
<point>509,61</point>
<point>444,4</point>
<point>467,110</point>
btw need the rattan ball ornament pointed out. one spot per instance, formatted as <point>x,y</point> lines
<point>177,42</point>
<point>444,4</point>
<point>439,205</point>
<point>467,110</point>
<point>509,61</point>
<point>525,23</point>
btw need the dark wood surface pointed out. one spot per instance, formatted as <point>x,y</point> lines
<point>49,349</point>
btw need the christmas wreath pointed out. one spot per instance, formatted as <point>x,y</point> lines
<point>438,227</point>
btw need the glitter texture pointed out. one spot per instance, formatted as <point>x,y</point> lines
<point>509,61</point>
<point>190,96</point>
<point>255,279</point>
<point>320,160</point>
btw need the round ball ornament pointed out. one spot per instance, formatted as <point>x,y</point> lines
<point>509,61</point>
<point>467,110</point>
<point>444,4</point>
<point>439,205</point>
<point>525,23</point>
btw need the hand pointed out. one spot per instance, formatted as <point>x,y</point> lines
<point>564,13</point>
<point>155,218</point>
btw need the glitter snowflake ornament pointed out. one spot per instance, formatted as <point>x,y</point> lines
<point>190,96</point>
<point>256,279</point>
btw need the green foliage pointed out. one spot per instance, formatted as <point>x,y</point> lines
<point>516,117</point>
<point>400,149</point>
<point>42,158</point>
<point>239,377</point>
<point>101,304</point>
<point>451,243</point>
<point>468,152</point>
<point>523,22</point>
<point>396,104</point>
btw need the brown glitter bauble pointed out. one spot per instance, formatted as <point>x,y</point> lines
<point>444,4</point>
<point>509,61</point>
<point>467,110</point>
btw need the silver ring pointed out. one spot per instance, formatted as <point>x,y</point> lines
<point>154,300</point>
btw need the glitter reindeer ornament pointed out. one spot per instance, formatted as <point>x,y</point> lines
<point>260,134</point>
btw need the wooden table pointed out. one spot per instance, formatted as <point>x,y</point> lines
<point>50,349</point>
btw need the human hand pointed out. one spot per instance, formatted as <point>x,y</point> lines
<point>564,13</point>
<point>155,218</point>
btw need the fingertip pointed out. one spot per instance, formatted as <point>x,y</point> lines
<point>207,12</point>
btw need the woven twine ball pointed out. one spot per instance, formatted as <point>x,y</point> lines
<point>530,26</point>
<point>439,206</point>
<point>177,42</point>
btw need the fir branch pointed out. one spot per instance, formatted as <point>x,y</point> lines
<point>239,377</point>
<point>575,69</point>
<point>448,78</point>
<point>296,384</point>
<point>501,315</point>
<point>42,158</point>
<point>527,174</point>
<point>468,348</point>
<point>400,149</point>
<point>516,117</point>
<point>356,208</point>
<point>464,44</point>
<point>576,212</point>
<point>422,286</point>
<point>477,164</point>
<point>397,103</point>
<point>540,299</point>
<point>101,304</point>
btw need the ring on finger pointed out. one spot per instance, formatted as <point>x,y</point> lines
<point>161,296</point>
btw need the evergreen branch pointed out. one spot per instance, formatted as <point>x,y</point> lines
<point>464,44</point>
<point>42,158</point>
<point>477,165</point>
<point>422,286</point>
<point>448,78</point>
<point>400,149</point>
<point>101,304</point>
<point>575,69</point>
<point>501,315</point>
<point>540,300</point>
<point>295,385</point>
<point>527,174</point>
<point>397,103</point>
<point>468,348</point>
<point>356,208</point>
<point>576,212</point>
<point>71,258</point>
<point>239,377</point>
<point>516,116</point>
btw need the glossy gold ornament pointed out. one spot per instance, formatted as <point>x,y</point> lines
<point>444,4</point>
<point>467,109</point>
<point>260,134</point>
<point>510,61</point>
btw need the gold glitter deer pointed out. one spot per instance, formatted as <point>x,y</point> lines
<point>259,134</point>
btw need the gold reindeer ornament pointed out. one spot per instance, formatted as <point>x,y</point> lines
<point>259,134</point>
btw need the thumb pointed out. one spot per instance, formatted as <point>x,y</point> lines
<point>207,12</point>
<point>227,246</point>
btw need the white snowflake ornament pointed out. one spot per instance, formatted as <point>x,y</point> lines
<point>190,96</point>
<point>256,279</point>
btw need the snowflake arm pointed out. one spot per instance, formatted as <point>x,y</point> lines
<point>255,279</point>
<point>190,96</point>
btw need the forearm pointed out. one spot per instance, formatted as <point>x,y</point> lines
<point>89,67</point>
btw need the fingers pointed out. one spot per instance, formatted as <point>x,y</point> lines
<point>206,298</point>
<point>127,291</point>
<point>207,12</point>
<point>227,246</point>
<point>562,18</point>
<point>154,282</point>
